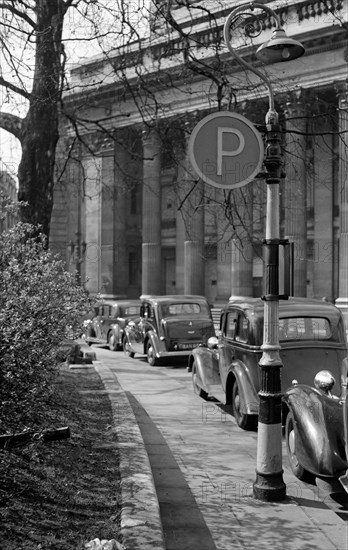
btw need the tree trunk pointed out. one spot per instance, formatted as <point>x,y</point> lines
<point>39,132</point>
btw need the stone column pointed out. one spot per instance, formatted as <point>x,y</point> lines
<point>190,264</point>
<point>107,224</point>
<point>180,192</point>
<point>224,236</point>
<point>241,244</point>
<point>121,208</point>
<point>295,202</point>
<point>342,300</point>
<point>323,241</point>
<point>151,247</point>
<point>194,243</point>
<point>92,223</point>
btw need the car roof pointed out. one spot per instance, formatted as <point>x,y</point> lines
<point>134,302</point>
<point>173,298</point>
<point>290,307</point>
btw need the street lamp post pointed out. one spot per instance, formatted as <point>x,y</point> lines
<point>269,484</point>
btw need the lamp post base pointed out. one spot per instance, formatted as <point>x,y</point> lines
<point>269,487</point>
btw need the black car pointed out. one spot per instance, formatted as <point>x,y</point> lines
<point>109,320</point>
<point>169,326</point>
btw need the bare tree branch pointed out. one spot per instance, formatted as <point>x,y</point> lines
<point>11,123</point>
<point>22,15</point>
<point>14,88</point>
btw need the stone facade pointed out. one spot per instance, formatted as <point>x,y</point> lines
<point>132,217</point>
<point>8,192</point>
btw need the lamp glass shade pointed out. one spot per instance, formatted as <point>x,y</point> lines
<point>279,48</point>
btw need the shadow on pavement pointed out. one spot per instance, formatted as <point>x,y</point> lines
<point>183,523</point>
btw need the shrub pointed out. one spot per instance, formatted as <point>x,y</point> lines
<point>39,302</point>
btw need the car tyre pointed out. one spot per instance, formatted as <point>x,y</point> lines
<point>151,357</point>
<point>295,466</point>
<point>245,421</point>
<point>196,387</point>
<point>112,342</point>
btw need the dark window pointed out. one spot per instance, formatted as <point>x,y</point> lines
<point>242,330</point>
<point>304,328</point>
<point>182,309</point>
<point>231,325</point>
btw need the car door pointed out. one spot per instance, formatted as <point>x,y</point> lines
<point>227,343</point>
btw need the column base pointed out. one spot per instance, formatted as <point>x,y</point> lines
<point>269,487</point>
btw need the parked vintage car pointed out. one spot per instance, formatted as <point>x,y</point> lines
<point>109,320</point>
<point>316,430</point>
<point>312,336</point>
<point>169,326</point>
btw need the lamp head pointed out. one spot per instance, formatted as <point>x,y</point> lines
<point>279,48</point>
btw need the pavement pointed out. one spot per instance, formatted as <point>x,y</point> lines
<point>187,472</point>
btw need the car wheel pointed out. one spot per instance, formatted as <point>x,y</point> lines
<point>290,439</point>
<point>196,387</point>
<point>112,342</point>
<point>244,421</point>
<point>151,357</point>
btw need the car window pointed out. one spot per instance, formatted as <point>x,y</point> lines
<point>304,328</point>
<point>147,310</point>
<point>242,328</point>
<point>130,310</point>
<point>230,326</point>
<point>114,311</point>
<point>181,309</point>
<point>105,311</point>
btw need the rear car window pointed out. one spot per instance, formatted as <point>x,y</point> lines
<point>131,310</point>
<point>304,328</point>
<point>183,309</point>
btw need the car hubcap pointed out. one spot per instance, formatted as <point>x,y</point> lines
<point>194,379</point>
<point>237,403</point>
<point>292,442</point>
<point>292,445</point>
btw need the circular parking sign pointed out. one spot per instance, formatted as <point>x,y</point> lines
<point>226,150</point>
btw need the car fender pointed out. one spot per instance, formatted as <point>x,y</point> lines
<point>249,399</point>
<point>207,366</point>
<point>128,336</point>
<point>319,430</point>
<point>156,343</point>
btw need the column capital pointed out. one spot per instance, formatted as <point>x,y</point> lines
<point>341,89</point>
<point>149,133</point>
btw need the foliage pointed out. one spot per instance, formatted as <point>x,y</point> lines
<point>39,300</point>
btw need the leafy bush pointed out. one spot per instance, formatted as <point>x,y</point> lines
<point>39,302</point>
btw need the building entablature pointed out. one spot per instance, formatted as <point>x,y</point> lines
<point>312,21</point>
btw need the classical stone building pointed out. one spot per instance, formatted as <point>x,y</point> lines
<point>8,192</point>
<point>132,216</point>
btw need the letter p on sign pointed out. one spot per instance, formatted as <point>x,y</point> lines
<point>226,150</point>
